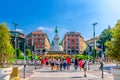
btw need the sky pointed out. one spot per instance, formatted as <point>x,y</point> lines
<point>67,15</point>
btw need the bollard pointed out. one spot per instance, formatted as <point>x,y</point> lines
<point>88,65</point>
<point>24,71</point>
<point>102,71</point>
<point>35,65</point>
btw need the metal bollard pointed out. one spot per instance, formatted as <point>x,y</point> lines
<point>102,71</point>
<point>24,71</point>
<point>88,65</point>
<point>35,65</point>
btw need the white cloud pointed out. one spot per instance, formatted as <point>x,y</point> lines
<point>50,29</point>
<point>20,30</point>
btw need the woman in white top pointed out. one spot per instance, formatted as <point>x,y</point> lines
<point>85,67</point>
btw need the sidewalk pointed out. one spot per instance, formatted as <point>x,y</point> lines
<point>46,74</point>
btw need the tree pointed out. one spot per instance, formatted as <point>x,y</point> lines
<point>6,49</point>
<point>113,46</point>
<point>106,35</point>
<point>28,52</point>
<point>18,52</point>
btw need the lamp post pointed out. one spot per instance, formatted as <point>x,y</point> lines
<point>94,24</point>
<point>15,25</point>
<point>25,58</point>
<point>35,55</point>
<point>88,52</point>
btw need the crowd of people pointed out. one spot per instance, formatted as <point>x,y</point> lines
<point>63,64</point>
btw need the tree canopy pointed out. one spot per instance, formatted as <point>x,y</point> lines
<point>6,49</point>
<point>113,46</point>
<point>106,35</point>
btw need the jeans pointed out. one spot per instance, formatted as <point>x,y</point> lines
<point>61,67</point>
<point>64,66</point>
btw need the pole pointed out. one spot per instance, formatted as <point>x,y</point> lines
<point>25,59</point>
<point>102,71</point>
<point>24,70</point>
<point>88,62</point>
<point>94,24</point>
<point>15,25</point>
<point>88,51</point>
<point>35,55</point>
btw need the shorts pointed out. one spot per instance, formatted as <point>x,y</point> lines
<point>46,63</point>
<point>68,65</point>
<point>52,64</point>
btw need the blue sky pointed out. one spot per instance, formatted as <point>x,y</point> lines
<point>68,15</point>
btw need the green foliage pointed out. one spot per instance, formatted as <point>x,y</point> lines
<point>80,56</point>
<point>21,57</point>
<point>113,47</point>
<point>18,51</point>
<point>28,52</point>
<point>106,35</point>
<point>6,49</point>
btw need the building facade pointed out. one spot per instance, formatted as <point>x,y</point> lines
<point>38,42</point>
<point>73,43</point>
<point>90,43</point>
<point>21,42</point>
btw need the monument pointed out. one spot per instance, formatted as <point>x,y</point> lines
<point>56,49</point>
<point>55,43</point>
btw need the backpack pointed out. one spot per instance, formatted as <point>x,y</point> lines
<point>83,64</point>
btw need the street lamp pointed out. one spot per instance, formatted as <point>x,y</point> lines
<point>88,52</point>
<point>15,25</point>
<point>25,59</point>
<point>34,55</point>
<point>94,24</point>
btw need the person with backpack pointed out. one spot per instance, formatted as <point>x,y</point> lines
<point>84,66</point>
<point>101,63</point>
<point>76,63</point>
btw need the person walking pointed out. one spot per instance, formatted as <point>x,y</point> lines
<point>52,64</point>
<point>72,61</point>
<point>64,64</point>
<point>42,62</point>
<point>76,63</point>
<point>46,61</point>
<point>57,64</point>
<point>61,64</point>
<point>101,63</point>
<point>80,63</point>
<point>68,63</point>
<point>85,68</point>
